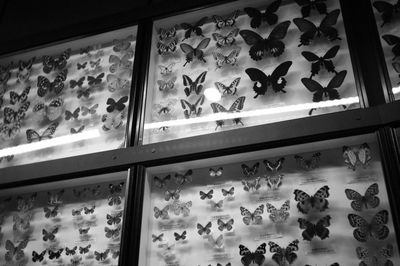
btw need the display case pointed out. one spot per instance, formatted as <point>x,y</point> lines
<point>321,203</point>
<point>246,63</point>
<point>72,222</point>
<point>66,99</point>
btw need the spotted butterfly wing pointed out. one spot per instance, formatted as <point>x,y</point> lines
<point>19,98</point>
<point>376,229</point>
<point>254,217</point>
<point>76,83</point>
<point>49,235</point>
<point>50,212</point>
<point>268,16</point>
<point>114,219</point>
<point>278,215</point>
<point>369,200</point>
<point>281,255</point>
<point>95,80</point>
<point>353,157</point>
<point>249,257</point>
<point>112,233</point>
<point>84,250</point>
<point>306,202</point>
<point>195,53</point>
<point>72,115</point>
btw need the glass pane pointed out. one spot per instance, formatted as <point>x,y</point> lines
<point>327,201</point>
<point>63,224</point>
<point>388,21</point>
<point>66,99</point>
<point>214,69</point>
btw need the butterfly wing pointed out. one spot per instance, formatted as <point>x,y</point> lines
<point>362,231</point>
<point>304,204</point>
<point>371,200</point>
<point>237,105</point>
<point>321,229</point>
<point>261,81</point>
<point>326,26</point>
<point>315,87</point>
<point>290,249</point>
<point>270,15</point>
<point>308,29</point>
<point>255,15</point>
<point>357,199</point>
<point>379,230</point>
<point>250,37</point>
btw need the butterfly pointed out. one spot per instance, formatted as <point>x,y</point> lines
<point>16,251</point>
<point>268,16</point>
<point>229,192</point>
<point>275,81</point>
<point>95,80</point>
<point>89,110</point>
<point>114,121</point>
<point>308,164</point>
<point>21,223</point>
<point>254,217</point>
<point>236,107</point>
<point>75,261</point>
<point>84,231</point>
<point>52,111</point>
<point>249,257</point>
<point>95,64</point>
<point>54,198</point>
<point>77,212</point>
<point>112,233</point>
<point>55,254</point>
<point>121,45</point>
<point>26,204</point>
<point>227,225</point>
<point>81,66</point>
<point>194,28</point>
<point>308,5</point>
<point>310,30</point>
<point>381,256</point>
<point>216,242</point>
<point>272,45</point>
<point>75,114</point>
<point>10,131</point>
<point>19,98</point>
<point>215,172</point>
<point>115,83</point>
<point>49,235</point>
<point>76,131</point>
<point>376,229</point>
<point>11,116</point>
<point>192,53</point>
<point>50,213</point>
<point>166,70</point>
<point>319,229</point>
<point>116,219</point>
<point>195,86</point>
<point>207,195</point>
<point>164,34</point>
<point>306,202</point>
<point>24,70</point>
<point>84,250</point>
<point>101,256</point>
<point>278,215</point>
<point>118,105</point>
<point>251,185</point>
<point>163,213</point>
<point>52,63</point>
<point>274,166</point>
<point>228,90</point>
<point>32,135</point>
<point>216,205</point>
<point>387,10</point>
<point>175,194</point>
<point>89,210</point>
<point>394,41</point>
<point>369,200</point>
<point>228,21</point>
<point>204,229</point>
<point>182,207</point>
<point>167,47</point>
<point>230,59</point>
<point>318,62</point>
<point>44,85</point>
<point>119,64</point>
<point>166,85</point>
<point>160,182</point>
<point>5,73</point>
<point>181,179</point>
<point>329,91</point>
<point>281,255</point>
<point>157,238</point>
<point>225,40</point>
<point>274,181</point>
<point>70,252</point>
<point>354,157</point>
<point>38,256</point>
<point>75,83</point>
<point>180,236</point>
<point>250,171</point>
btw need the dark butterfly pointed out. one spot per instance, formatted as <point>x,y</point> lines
<point>204,229</point>
<point>89,210</point>
<point>16,251</point>
<point>354,157</point>
<point>163,213</point>
<point>77,212</point>
<point>369,200</point>
<point>215,173</point>
<point>326,29</point>
<point>19,98</point>
<point>116,105</point>
<point>228,90</point>
<point>387,10</point>
<point>227,225</point>
<point>161,182</point>
<point>308,164</point>
<point>49,235</point>
<point>250,171</point>
<point>268,16</point>
<point>24,70</point>
<point>194,86</point>
<point>254,217</point>
<point>229,192</point>
<point>84,250</point>
<point>251,185</point>
<point>38,256</point>
<point>192,110</point>
<point>278,215</point>
<point>283,255</point>
<point>55,254</point>
<point>272,45</point>
<point>50,213</point>
<point>376,229</point>
<point>32,135</point>
<point>164,34</point>
<point>166,85</point>
<point>76,131</point>
<point>44,85</point>
<point>101,256</point>
<point>306,202</point>
<point>230,59</point>
<point>70,252</point>
<point>207,195</point>
<point>274,166</point>
<point>249,257</point>
<point>394,41</point>
<point>81,66</point>
<point>319,229</point>
<point>84,231</point>
<point>11,116</point>
<point>174,194</point>
<point>167,47</point>
<point>54,198</point>
<point>194,28</point>
<point>95,80</point>
<point>275,81</point>
<point>74,115</point>
<point>74,83</point>
<point>318,62</point>
<point>89,110</point>
<point>114,219</point>
<point>157,238</point>
<point>308,5</point>
<point>236,107</point>
<point>192,53</point>
<point>112,233</point>
<point>85,50</point>
<point>50,63</point>
<point>228,21</point>
<point>180,236</point>
<point>225,40</point>
<point>379,257</point>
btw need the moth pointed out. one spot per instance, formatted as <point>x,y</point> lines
<point>11,116</point>
<point>19,98</point>
<point>33,136</point>
<point>225,40</point>
<point>252,217</point>
<point>70,252</point>
<point>306,202</point>
<point>227,225</point>
<point>381,256</point>
<point>167,47</point>
<point>204,229</point>
<point>192,53</point>
<point>216,242</point>
<point>231,89</point>
<point>387,10</point>
<point>89,210</point>
<point>278,215</point>
<point>160,182</point>
<point>325,29</point>
<point>394,41</point>
<point>369,200</point>
<point>310,163</point>
<point>224,60</point>
<point>157,238</point>
<point>50,213</point>
<point>236,107</point>
<point>256,257</point>
<point>181,208</point>
<point>84,250</point>
<point>250,171</point>
<point>376,229</point>
<point>195,86</point>
<point>208,195</point>
<point>56,254</point>
<point>215,172</point>
<point>308,5</point>
<point>192,110</point>
<point>89,110</point>
<point>72,115</point>
<point>53,63</point>
<point>49,235</point>
<point>15,251</point>
<point>118,105</point>
<point>194,28</point>
<point>101,256</point>
<point>45,86</point>
<point>166,70</point>
<point>115,83</point>
<point>318,62</point>
<point>229,192</point>
<point>174,194</point>
<point>272,45</point>
<point>180,236</point>
<point>120,64</point>
<point>227,21</point>
<point>122,45</point>
<point>38,256</point>
<point>166,33</point>
<point>76,83</point>
<point>166,85</point>
<point>319,229</point>
<point>282,255</point>
<point>268,16</point>
<point>81,66</point>
<point>354,157</point>
<point>112,233</point>
<point>275,81</point>
<point>95,80</point>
